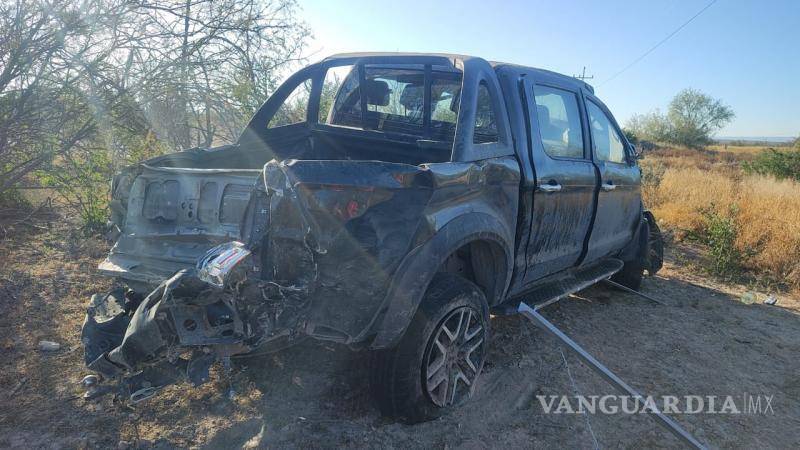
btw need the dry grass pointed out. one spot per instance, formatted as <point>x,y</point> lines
<point>769,219</point>
<point>681,185</point>
<point>684,193</point>
<point>739,150</point>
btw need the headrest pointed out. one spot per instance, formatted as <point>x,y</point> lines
<point>412,96</point>
<point>544,115</point>
<point>377,92</point>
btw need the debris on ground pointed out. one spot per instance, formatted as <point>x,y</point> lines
<point>748,298</point>
<point>49,346</point>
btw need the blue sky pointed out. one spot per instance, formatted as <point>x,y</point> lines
<point>745,52</point>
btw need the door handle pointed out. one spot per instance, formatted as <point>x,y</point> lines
<point>608,186</point>
<point>551,186</point>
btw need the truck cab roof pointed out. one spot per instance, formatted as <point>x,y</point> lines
<point>451,59</point>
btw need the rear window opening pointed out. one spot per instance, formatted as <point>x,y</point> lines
<point>393,99</point>
<point>392,113</point>
<point>403,113</point>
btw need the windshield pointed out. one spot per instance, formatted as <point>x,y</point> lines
<point>392,99</point>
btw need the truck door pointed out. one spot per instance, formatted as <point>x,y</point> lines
<point>618,200</point>
<point>563,201</point>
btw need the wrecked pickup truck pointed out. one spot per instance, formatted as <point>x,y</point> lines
<point>387,202</point>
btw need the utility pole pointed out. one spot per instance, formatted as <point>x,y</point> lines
<point>583,76</point>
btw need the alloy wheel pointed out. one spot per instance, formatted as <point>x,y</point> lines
<point>454,357</point>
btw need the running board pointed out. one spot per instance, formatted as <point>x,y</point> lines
<point>669,424</point>
<point>554,288</point>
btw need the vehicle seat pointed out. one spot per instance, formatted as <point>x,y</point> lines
<point>548,130</point>
<point>412,98</point>
<point>377,92</point>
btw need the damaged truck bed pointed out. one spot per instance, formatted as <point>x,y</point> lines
<point>411,194</point>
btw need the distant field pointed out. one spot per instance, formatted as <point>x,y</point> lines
<point>705,195</point>
<point>740,149</point>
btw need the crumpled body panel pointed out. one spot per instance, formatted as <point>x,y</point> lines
<point>316,252</point>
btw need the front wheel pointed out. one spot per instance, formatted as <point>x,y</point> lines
<point>651,257</point>
<point>437,363</point>
<point>631,275</point>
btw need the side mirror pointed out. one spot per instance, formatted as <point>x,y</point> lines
<point>636,152</point>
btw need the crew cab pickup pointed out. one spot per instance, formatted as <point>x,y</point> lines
<point>387,202</point>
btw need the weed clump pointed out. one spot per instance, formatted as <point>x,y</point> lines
<point>719,233</point>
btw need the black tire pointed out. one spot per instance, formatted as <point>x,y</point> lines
<point>655,245</point>
<point>632,272</point>
<point>398,373</point>
<point>631,275</point>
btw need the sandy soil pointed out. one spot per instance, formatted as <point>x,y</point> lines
<point>706,342</point>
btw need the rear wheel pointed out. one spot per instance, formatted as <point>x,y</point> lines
<point>441,355</point>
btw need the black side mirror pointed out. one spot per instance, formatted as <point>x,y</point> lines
<point>636,152</point>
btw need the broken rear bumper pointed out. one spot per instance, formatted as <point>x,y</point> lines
<point>177,331</point>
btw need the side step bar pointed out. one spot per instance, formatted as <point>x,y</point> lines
<point>553,289</point>
<point>609,376</point>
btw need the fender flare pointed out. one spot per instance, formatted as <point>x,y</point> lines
<point>418,268</point>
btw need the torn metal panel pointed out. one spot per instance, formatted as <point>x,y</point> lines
<point>337,230</point>
<point>322,241</point>
<point>168,217</point>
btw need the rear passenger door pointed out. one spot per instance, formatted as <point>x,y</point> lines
<point>563,201</point>
<point>618,200</point>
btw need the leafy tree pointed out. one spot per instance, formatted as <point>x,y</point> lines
<point>41,105</point>
<point>694,117</point>
<point>653,126</point>
<point>631,135</point>
<point>88,86</point>
<point>691,120</point>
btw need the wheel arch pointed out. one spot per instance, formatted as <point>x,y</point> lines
<point>478,232</point>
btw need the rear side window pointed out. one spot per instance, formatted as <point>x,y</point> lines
<point>334,78</point>
<point>485,124</point>
<point>445,98</point>
<point>559,122</point>
<point>607,142</point>
<point>294,108</point>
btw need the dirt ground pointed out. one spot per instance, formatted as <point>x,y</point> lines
<point>706,342</point>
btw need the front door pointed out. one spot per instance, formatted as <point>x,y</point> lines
<point>563,201</point>
<point>618,200</point>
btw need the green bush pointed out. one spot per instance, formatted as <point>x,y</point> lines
<point>719,233</point>
<point>13,198</point>
<point>780,164</point>
<point>82,184</point>
<point>631,135</point>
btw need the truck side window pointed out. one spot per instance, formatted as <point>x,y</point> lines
<point>445,99</point>
<point>608,144</point>
<point>485,124</point>
<point>294,108</point>
<point>559,122</point>
<point>334,78</point>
